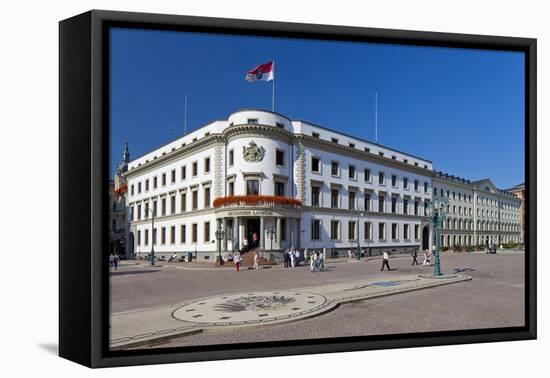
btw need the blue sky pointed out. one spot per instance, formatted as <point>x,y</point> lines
<point>462,109</point>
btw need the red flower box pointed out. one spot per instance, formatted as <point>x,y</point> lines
<point>255,200</point>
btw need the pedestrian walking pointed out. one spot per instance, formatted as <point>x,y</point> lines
<point>116,259</point>
<point>314,258</point>
<point>111,260</point>
<point>292,259</point>
<point>426,257</point>
<point>237,260</point>
<point>254,240</point>
<point>286,258</point>
<point>256,266</point>
<point>385,261</point>
<point>414,256</point>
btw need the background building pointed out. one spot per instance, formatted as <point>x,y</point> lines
<point>118,218</point>
<point>479,213</point>
<point>519,191</point>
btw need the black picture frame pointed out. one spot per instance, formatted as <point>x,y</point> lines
<point>83,181</point>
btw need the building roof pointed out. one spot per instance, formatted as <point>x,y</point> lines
<point>517,188</point>
<point>291,120</point>
<point>484,184</point>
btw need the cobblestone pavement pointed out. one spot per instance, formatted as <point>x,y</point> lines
<point>493,298</point>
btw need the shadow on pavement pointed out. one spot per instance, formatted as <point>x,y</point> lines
<point>122,272</point>
<point>460,270</point>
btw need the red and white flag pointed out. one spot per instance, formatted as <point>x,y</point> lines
<point>263,72</point>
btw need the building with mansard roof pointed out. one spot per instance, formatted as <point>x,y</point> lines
<point>479,213</point>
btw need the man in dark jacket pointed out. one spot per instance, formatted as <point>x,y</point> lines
<point>414,256</point>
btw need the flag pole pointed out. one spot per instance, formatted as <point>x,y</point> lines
<point>376,117</point>
<point>273,88</point>
<point>185,116</point>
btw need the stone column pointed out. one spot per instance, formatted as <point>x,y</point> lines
<point>298,234</point>
<point>262,233</point>
<point>225,235</point>
<point>279,231</point>
<point>236,238</point>
<point>290,226</point>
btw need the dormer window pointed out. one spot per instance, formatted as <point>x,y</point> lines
<point>315,135</point>
<point>252,121</point>
<point>334,140</point>
<point>280,125</point>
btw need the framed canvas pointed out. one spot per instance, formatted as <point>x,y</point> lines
<point>236,188</point>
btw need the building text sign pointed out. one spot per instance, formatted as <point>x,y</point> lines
<point>250,213</point>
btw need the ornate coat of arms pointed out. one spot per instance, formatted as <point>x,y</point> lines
<point>253,152</point>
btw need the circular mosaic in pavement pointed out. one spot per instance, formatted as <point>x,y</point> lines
<point>251,308</point>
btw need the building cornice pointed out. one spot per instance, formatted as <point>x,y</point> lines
<point>259,130</point>
<point>170,217</point>
<point>189,149</point>
<point>366,214</point>
<point>362,155</point>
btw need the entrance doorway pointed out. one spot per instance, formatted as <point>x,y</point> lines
<point>425,238</point>
<point>253,233</point>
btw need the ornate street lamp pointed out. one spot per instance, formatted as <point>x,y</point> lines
<point>437,210</point>
<point>359,215</point>
<point>219,236</point>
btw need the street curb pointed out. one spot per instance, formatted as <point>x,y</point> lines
<point>150,342</point>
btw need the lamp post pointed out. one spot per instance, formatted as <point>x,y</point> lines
<point>219,236</point>
<point>147,209</point>
<point>271,235</point>
<point>359,215</point>
<point>437,210</point>
<point>333,237</point>
<point>470,240</point>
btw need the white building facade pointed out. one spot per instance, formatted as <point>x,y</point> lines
<point>272,182</point>
<point>479,214</point>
